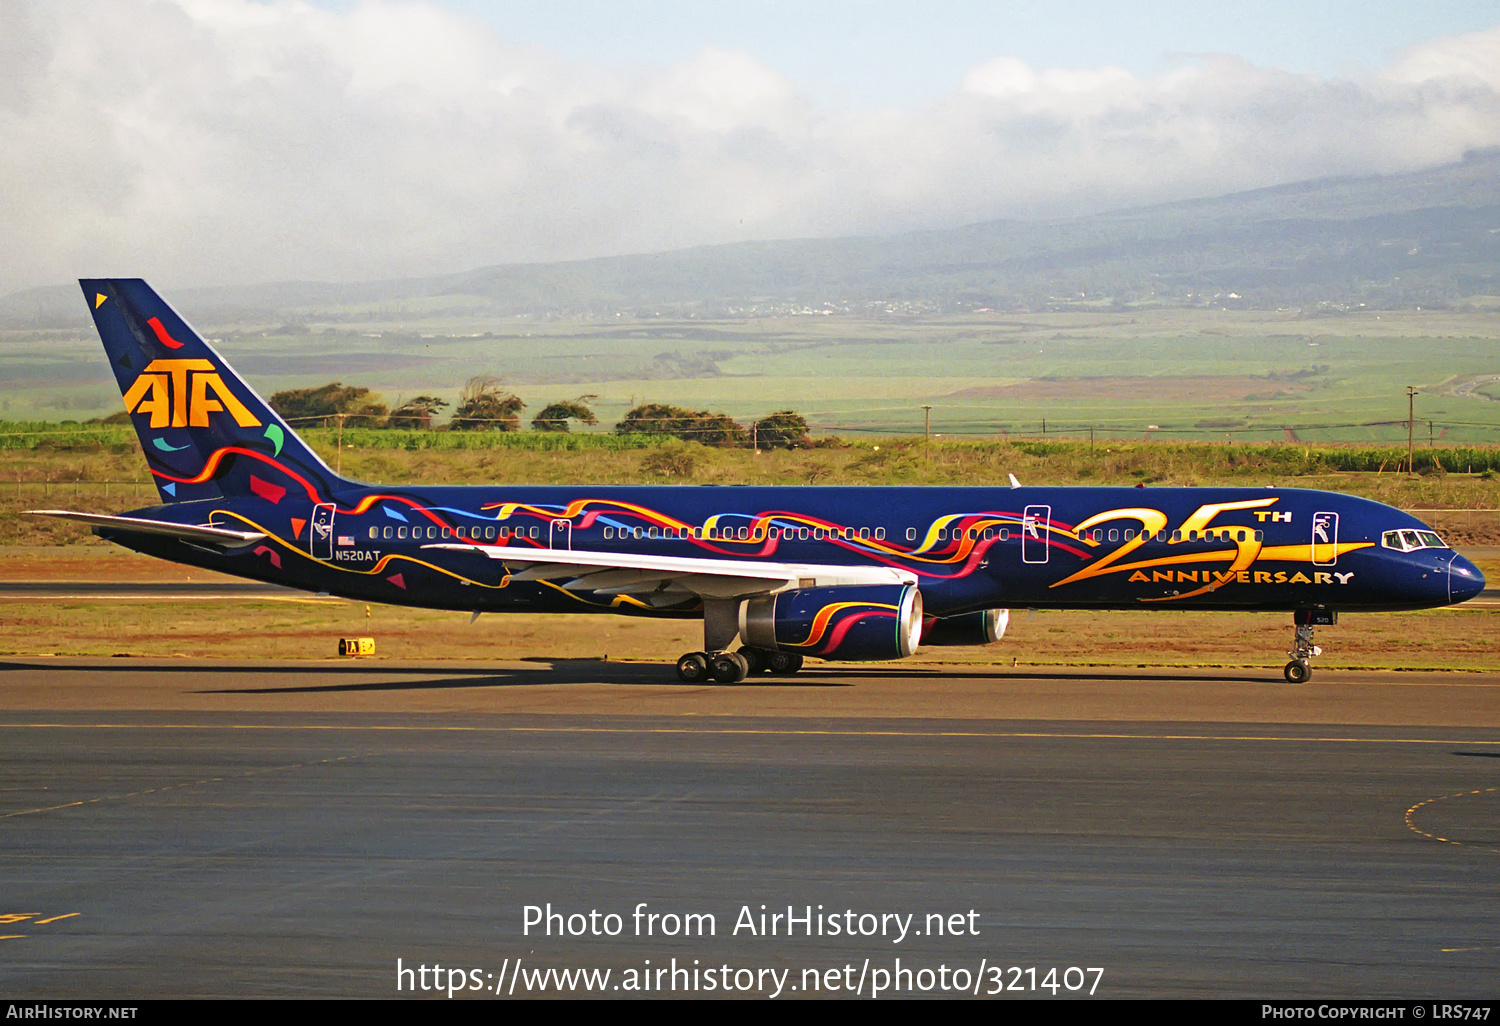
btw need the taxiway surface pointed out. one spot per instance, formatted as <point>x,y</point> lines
<point>195,828</point>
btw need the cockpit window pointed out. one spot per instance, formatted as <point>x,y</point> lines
<point>1410,541</point>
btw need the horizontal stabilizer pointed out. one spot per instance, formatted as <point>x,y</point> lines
<point>204,534</point>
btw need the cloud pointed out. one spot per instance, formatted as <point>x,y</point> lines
<point>218,141</point>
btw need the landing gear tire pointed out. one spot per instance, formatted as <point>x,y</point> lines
<point>783,663</point>
<point>693,668</point>
<point>755,659</point>
<point>1299,670</point>
<point>729,667</point>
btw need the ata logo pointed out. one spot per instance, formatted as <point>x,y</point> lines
<point>176,394</point>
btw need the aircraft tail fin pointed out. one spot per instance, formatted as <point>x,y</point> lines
<point>206,434</point>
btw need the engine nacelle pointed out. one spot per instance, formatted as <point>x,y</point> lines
<point>858,622</point>
<point>982,628</point>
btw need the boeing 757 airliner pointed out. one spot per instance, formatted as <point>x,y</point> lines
<point>834,573</point>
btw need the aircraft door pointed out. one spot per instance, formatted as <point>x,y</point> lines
<point>1036,533</point>
<point>320,532</point>
<point>561,535</point>
<point>1325,539</point>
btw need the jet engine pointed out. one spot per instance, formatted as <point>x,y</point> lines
<point>982,628</point>
<point>856,622</point>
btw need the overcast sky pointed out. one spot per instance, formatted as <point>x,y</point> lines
<point>221,141</point>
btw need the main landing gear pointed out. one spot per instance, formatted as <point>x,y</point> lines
<point>1299,670</point>
<point>733,667</point>
<point>720,627</point>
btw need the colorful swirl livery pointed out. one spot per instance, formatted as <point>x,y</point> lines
<point>835,573</point>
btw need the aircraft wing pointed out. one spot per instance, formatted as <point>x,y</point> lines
<point>664,580</point>
<point>204,534</point>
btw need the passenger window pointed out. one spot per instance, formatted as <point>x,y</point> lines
<point>989,533</point>
<point>1193,536</point>
<point>911,534</point>
<point>802,534</point>
<point>942,534</point>
<point>374,532</point>
<point>1129,534</point>
<point>1114,535</point>
<point>1177,536</point>
<point>401,533</point>
<point>1260,536</point>
<point>880,534</point>
<point>864,533</point>
<point>1004,534</point>
<point>489,533</point>
<point>386,533</point>
<point>447,533</point>
<point>651,532</point>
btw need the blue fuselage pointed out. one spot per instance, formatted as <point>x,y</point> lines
<point>970,548</point>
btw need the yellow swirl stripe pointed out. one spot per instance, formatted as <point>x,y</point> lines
<point>577,506</point>
<point>820,622</point>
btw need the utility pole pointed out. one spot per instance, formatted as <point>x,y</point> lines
<point>1411,421</point>
<point>926,425</point>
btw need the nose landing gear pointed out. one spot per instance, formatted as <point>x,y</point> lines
<point>1299,670</point>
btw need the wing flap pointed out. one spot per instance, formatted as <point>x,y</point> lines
<point>710,578</point>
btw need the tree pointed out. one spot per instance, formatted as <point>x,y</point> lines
<point>783,429</point>
<point>417,413</point>
<point>482,406</point>
<point>555,416</point>
<point>689,425</point>
<point>359,407</point>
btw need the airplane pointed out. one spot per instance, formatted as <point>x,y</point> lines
<point>839,573</point>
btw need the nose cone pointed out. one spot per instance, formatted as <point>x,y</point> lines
<point>1464,580</point>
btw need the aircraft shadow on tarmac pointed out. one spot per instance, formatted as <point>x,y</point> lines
<point>590,671</point>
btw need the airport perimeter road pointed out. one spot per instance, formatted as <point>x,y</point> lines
<point>153,851</point>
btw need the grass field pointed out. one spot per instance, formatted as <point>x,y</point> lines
<point>309,628</point>
<point>100,468</point>
<point>1193,374</point>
